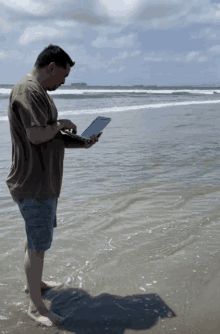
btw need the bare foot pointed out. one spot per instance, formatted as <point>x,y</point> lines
<point>52,319</point>
<point>47,285</point>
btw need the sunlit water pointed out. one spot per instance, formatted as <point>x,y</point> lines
<point>138,212</point>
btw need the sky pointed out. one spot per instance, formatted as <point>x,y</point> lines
<point>115,42</point>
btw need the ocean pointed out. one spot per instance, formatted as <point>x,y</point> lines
<point>138,212</point>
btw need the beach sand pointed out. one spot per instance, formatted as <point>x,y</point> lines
<point>146,241</point>
<point>191,290</point>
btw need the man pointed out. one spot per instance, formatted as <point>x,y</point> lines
<point>35,177</point>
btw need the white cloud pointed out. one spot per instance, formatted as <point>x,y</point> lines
<point>157,57</point>
<point>203,59</point>
<point>65,23</point>
<point>116,70</point>
<point>74,30</point>
<point>157,14</point>
<point>122,55</point>
<point>122,42</point>
<point>119,8</point>
<point>14,54</point>
<point>82,69</point>
<point>214,50</point>
<point>191,56</point>
<point>195,56</point>
<point>112,70</point>
<point>39,32</point>
<point>135,53</point>
<point>207,33</point>
<point>153,59</point>
<point>178,58</point>
<point>36,7</point>
<point>2,54</point>
<point>79,10</point>
<point>4,25</point>
<point>109,29</point>
<point>31,57</point>
<point>115,27</point>
<point>202,12</point>
<point>85,62</point>
<point>11,54</point>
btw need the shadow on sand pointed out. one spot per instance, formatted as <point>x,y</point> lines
<point>106,313</point>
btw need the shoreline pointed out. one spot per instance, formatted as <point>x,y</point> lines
<point>152,222</point>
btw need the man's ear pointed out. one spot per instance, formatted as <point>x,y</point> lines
<point>51,69</point>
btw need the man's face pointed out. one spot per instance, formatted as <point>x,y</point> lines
<point>57,76</point>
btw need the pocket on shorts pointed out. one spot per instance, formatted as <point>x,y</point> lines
<point>18,200</point>
<point>38,222</point>
<point>35,209</point>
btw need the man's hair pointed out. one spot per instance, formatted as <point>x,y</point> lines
<point>53,53</point>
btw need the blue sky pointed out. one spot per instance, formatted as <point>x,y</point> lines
<point>115,42</point>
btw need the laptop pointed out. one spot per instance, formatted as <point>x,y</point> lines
<point>94,128</point>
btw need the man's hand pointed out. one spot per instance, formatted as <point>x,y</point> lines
<point>68,125</point>
<point>93,139</point>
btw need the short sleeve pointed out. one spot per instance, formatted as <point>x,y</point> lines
<point>32,108</point>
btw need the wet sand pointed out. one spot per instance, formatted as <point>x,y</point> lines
<point>126,255</point>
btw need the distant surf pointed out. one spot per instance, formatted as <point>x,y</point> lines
<point>6,91</point>
<point>127,108</point>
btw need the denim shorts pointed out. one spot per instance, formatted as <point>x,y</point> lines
<point>40,219</point>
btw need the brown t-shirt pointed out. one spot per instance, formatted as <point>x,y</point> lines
<point>36,170</point>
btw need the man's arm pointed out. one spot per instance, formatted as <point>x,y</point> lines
<point>71,143</point>
<point>38,135</point>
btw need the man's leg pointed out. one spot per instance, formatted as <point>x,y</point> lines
<point>26,246</point>
<point>33,269</point>
<point>43,285</point>
<point>37,309</point>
